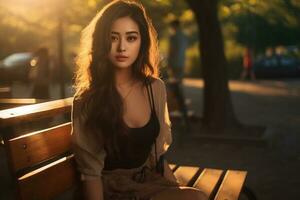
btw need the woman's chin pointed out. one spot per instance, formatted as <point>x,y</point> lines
<point>122,66</point>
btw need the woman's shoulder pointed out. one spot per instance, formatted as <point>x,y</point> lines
<point>78,103</point>
<point>157,83</point>
<point>79,99</point>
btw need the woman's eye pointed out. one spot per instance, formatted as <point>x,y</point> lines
<point>131,38</point>
<point>114,38</point>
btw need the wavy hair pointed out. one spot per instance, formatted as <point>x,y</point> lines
<point>101,104</point>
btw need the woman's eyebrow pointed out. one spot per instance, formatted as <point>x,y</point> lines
<point>132,32</point>
<point>127,33</point>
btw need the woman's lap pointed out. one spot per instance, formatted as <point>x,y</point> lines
<point>121,185</point>
<point>180,193</point>
<point>124,184</point>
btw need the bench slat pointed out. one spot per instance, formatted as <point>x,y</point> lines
<point>20,101</point>
<point>6,103</point>
<point>185,174</point>
<point>34,112</point>
<point>172,166</point>
<point>49,181</point>
<point>231,186</point>
<point>208,180</point>
<point>32,148</point>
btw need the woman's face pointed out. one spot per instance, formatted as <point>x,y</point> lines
<point>125,42</point>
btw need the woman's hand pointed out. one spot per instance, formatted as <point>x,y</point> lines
<point>168,173</point>
<point>93,189</point>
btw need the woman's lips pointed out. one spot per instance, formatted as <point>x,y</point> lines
<point>121,58</point>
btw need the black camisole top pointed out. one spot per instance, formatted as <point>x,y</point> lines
<point>135,146</point>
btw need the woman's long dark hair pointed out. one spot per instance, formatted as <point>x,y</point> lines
<point>101,104</point>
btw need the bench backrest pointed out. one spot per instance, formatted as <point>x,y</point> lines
<point>41,162</point>
<point>43,166</point>
<point>6,103</point>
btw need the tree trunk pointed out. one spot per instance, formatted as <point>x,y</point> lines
<point>218,110</point>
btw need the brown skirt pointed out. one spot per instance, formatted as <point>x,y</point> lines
<point>140,183</point>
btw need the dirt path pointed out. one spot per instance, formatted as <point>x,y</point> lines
<point>274,168</point>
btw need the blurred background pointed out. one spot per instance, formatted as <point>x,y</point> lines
<point>273,26</point>
<point>267,104</point>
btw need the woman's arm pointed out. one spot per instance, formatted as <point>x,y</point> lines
<point>93,189</point>
<point>89,155</point>
<point>168,173</point>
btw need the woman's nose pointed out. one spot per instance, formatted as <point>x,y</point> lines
<point>122,45</point>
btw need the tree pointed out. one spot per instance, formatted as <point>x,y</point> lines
<point>218,110</point>
<point>255,20</point>
<point>26,25</point>
<point>258,37</point>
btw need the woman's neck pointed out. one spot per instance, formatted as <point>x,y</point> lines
<point>124,77</point>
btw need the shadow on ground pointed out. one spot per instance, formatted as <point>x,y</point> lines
<point>273,161</point>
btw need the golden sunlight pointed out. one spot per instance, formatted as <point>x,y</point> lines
<point>262,88</point>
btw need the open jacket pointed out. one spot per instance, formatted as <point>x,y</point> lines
<point>90,153</point>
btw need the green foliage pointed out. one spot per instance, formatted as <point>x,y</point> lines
<point>257,24</point>
<point>262,33</point>
<point>261,24</point>
<point>28,24</point>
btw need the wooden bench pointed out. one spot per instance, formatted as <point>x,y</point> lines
<point>6,103</point>
<point>42,165</point>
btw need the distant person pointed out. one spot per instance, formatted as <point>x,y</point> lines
<point>247,65</point>
<point>177,48</point>
<point>176,63</point>
<point>42,75</point>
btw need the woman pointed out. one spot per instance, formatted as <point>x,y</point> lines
<point>120,119</point>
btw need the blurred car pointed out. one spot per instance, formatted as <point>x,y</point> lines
<point>277,66</point>
<point>16,67</point>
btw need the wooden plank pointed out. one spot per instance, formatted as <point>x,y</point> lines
<point>231,186</point>
<point>208,180</point>
<point>6,103</point>
<point>22,101</point>
<point>32,148</point>
<point>49,181</point>
<point>34,112</point>
<point>172,166</point>
<point>185,175</point>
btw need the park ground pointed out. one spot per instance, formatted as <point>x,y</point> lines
<point>272,161</point>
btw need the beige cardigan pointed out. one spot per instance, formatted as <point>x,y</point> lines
<point>90,155</point>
